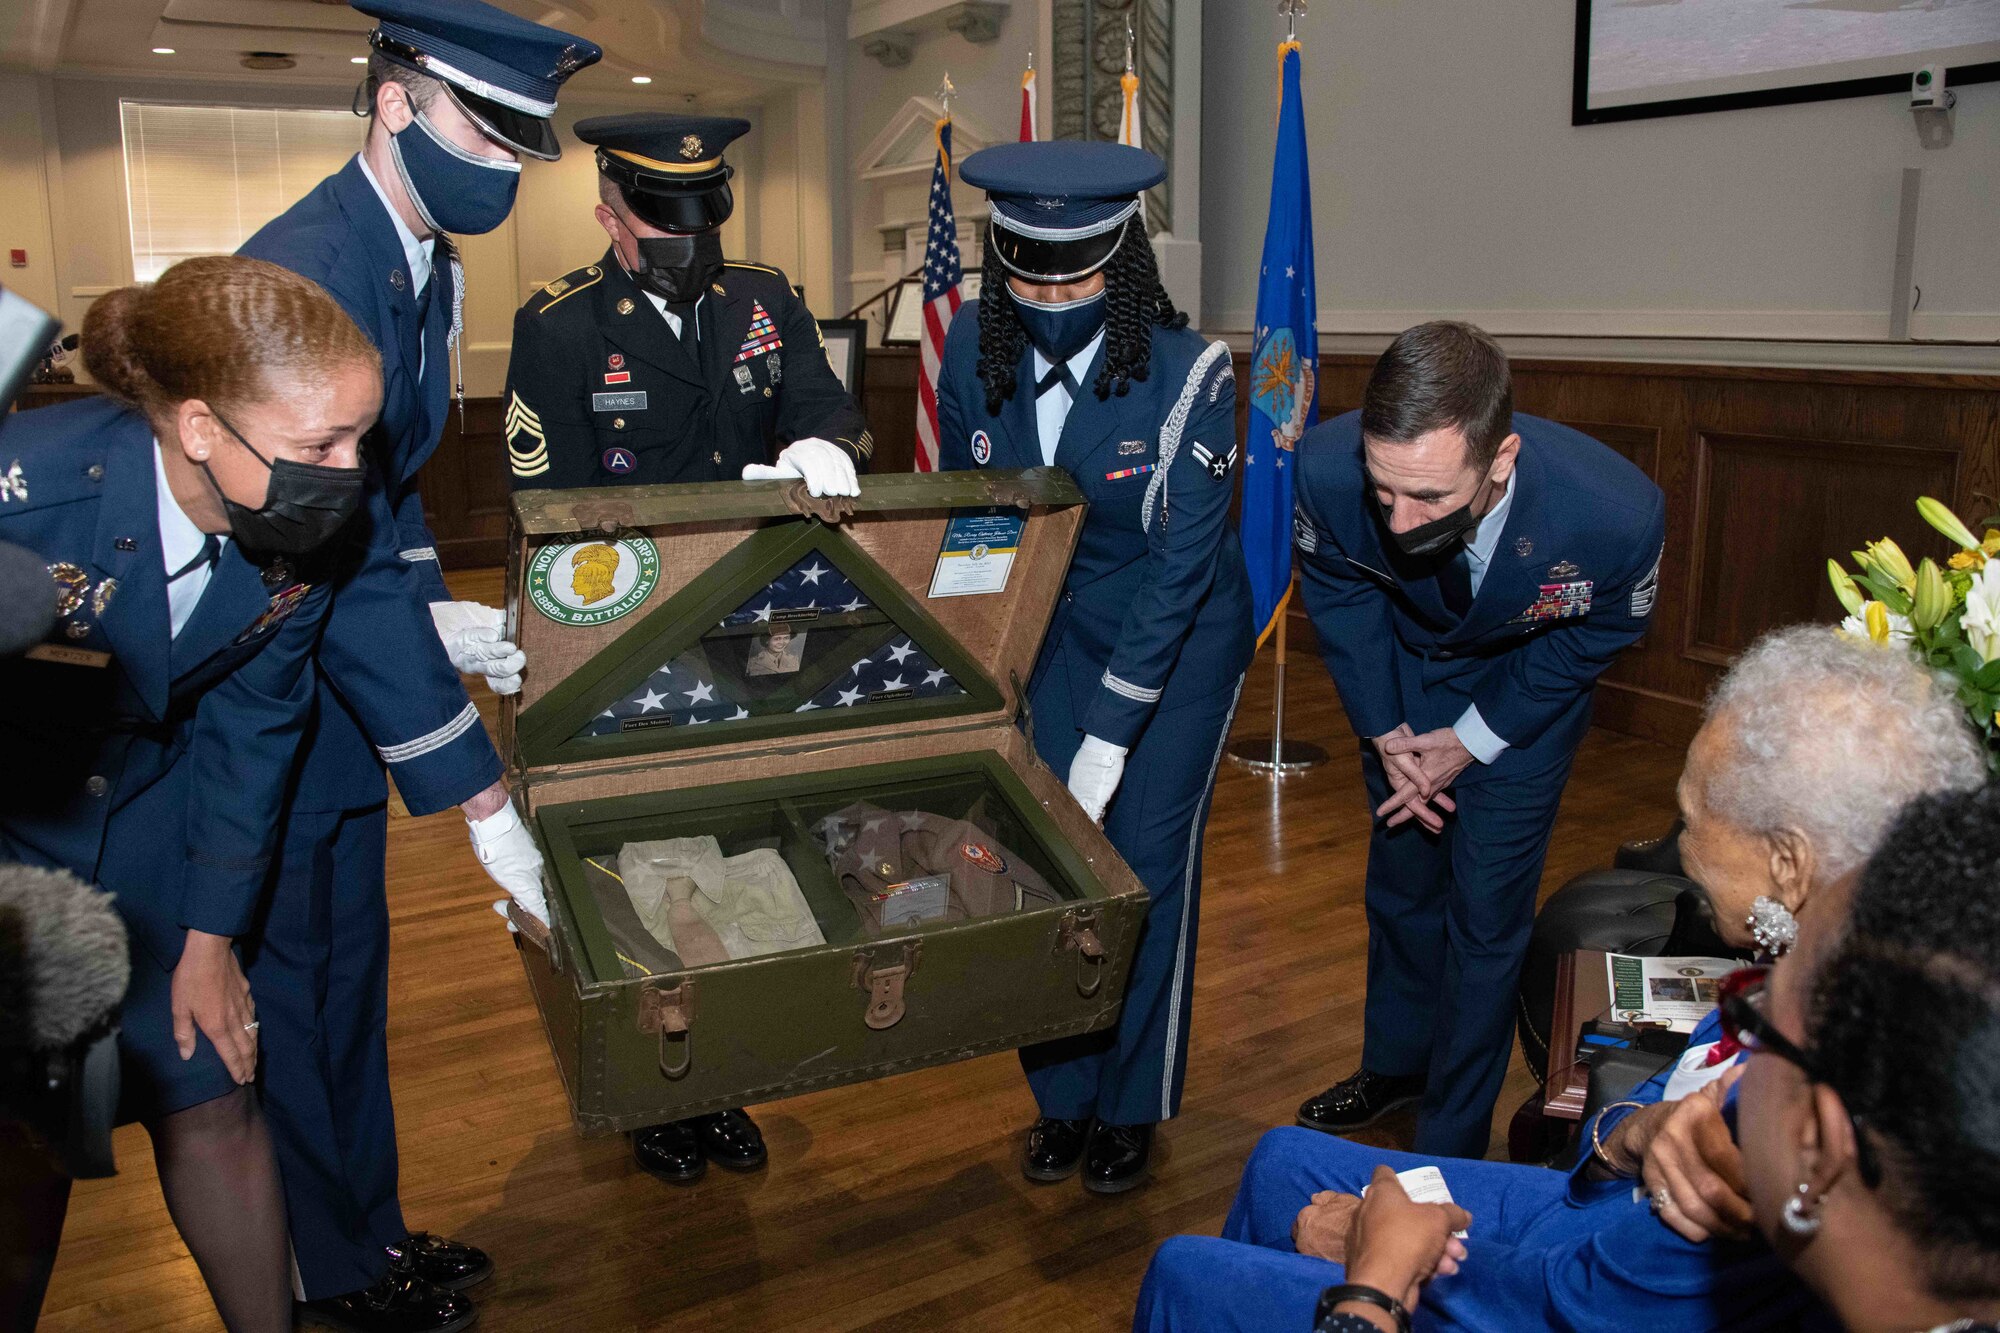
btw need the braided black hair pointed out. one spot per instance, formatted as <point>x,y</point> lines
<point>1905,1026</point>
<point>1134,299</point>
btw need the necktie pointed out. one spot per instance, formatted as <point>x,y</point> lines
<point>694,939</point>
<point>1058,374</point>
<point>1455,583</point>
<point>690,330</point>
<point>210,550</point>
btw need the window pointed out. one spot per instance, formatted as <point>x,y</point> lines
<point>200,179</point>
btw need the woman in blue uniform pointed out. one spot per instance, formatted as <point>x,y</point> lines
<point>182,519</point>
<point>1076,357</point>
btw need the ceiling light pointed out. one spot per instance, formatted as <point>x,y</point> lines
<point>163,50</point>
<point>641,78</point>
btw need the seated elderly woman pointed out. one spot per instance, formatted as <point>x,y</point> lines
<point>1870,1101</point>
<point>1811,745</point>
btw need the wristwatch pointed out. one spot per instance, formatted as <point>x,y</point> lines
<point>1329,1321</point>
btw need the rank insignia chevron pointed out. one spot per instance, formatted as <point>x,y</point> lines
<point>527,449</point>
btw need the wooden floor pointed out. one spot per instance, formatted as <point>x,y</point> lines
<point>889,1206</point>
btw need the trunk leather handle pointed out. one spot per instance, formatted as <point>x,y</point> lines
<point>668,1011</point>
<point>884,985</point>
<point>1078,935</point>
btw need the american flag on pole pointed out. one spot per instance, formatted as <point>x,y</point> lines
<point>1028,134</point>
<point>943,278</point>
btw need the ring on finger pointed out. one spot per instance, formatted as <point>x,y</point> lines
<point>1663,1199</point>
<point>253,1025</point>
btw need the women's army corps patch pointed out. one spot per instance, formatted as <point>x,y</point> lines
<point>593,583</point>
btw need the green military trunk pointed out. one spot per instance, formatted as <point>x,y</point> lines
<point>795,836</point>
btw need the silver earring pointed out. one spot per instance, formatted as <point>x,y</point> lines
<point>1772,925</point>
<point>1798,1220</point>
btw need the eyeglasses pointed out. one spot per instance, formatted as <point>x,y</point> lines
<point>1741,995</point>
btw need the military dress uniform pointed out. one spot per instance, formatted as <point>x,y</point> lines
<point>601,391</point>
<point>1570,583</point>
<point>125,735</point>
<point>1149,643</point>
<point>391,700</point>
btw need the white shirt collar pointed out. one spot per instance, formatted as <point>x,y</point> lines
<point>180,540</point>
<point>1077,364</point>
<point>1487,535</point>
<point>417,252</point>
<point>673,320</point>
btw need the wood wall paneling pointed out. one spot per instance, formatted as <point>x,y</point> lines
<point>1769,511</point>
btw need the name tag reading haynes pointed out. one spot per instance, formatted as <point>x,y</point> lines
<point>618,402</point>
<point>978,552</point>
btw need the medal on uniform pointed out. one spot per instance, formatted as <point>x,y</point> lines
<point>616,361</point>
<point>1127,448</point>
<point>744,382</point>
<point>101,595</point>
<point>277,572</point>
<point>278,612</point>
<point>71,585</point>
<point>776,368</point>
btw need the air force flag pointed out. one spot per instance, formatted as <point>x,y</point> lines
<point>1282,400</point>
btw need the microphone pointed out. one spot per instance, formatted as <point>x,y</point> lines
<point>63,971</point>
<point>63,959</point>
<point>27,600</point>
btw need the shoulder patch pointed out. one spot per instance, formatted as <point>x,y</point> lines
<point>569,284</point>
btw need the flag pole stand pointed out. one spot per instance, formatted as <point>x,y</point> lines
<point>1274,754</point>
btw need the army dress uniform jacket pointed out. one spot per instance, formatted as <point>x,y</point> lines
<point>1571,584</point>
<point>395,697</point>
<point>1157,601</point>
<point>151,763</point>
<point>600,390</point>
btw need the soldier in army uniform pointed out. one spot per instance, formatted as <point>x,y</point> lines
<point>663,362</point>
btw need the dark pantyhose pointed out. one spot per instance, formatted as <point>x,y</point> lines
<point>221,1183</point>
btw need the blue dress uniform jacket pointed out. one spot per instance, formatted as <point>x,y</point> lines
<point>1571,585</point>
<point>601,392</point>
<point>1571,582</point>
<point>395,696</point>
<point>320,967</point>
<point>1147,649</point>
<point>152,764</point>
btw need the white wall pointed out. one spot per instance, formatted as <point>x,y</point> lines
<point>1447,180</point>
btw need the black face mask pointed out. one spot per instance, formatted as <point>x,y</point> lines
<point>304,506</point>
<point>1440,535</point>
<point>679,268</point>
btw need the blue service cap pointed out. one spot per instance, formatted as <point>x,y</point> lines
<point>1060,206</point>
<point>669,166</point>
<point>503,72</point>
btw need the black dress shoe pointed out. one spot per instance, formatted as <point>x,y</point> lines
<point>671,1151</point>
<point>441,1262</point>
<point>731,1139</point>
<point>1116,1159</point>
<point>1055,1149</point>
<point>1360,1099</point>
<point>399,1303</point>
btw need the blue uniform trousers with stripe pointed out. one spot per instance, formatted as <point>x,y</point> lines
<point>1132,1074</point>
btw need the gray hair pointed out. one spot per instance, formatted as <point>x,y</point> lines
<point>1833,735</point>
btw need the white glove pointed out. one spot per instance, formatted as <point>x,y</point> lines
<point>474,640</point>
<point>1094,775</point>
<point>507,850</point>
<point>827,468</point>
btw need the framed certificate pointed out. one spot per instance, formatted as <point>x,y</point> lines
<point>846,351</point>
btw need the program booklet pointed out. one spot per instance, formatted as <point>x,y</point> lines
<point>1668,992</point>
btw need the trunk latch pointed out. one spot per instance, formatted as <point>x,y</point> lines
<point>884,984</point>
